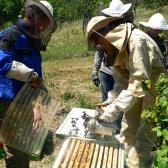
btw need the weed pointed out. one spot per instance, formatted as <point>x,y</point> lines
<point>84,101</point>
<point>68,95</point>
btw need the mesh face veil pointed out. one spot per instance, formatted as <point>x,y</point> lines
<point>110,50</point>
<point>46,12</point>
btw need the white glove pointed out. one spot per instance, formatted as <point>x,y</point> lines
<point>110,114</point>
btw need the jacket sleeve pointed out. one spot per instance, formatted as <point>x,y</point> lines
<point>97,61</point>
<point>8,66</point>
<point>21,72</point>
<point>14,69</point>
<point>6,60</point>
<point>141,59</point>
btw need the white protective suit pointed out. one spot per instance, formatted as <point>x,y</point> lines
<point>139,59</point>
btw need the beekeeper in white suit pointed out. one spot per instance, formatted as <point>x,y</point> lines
<point>155,26</point>
<point>139,59</point>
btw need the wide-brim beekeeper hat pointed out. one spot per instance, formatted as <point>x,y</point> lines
<point>116,8</point>
<point>156,21</point>
<point>47,9</point>
<point>95,24</point>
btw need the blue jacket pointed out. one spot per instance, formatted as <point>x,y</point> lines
<point>18,46</point>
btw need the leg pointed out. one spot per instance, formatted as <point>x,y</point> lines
<point>107,83</point>
<point>130,124</point>
<point>119,122</point>
<point>141,155</point>
<point>15,158</point>
<point>145,141</point>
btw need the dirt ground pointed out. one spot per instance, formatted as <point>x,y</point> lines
<point>72,75</point>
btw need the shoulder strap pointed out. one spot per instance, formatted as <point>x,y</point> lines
<point>127,47</point>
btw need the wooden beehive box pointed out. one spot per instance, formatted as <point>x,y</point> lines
<point>89,153</point>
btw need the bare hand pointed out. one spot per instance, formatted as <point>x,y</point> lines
<point>37,117</point>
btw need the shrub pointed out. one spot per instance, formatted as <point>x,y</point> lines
<point>159,117</point>
<point>9,10</point>
<point>68,95</point>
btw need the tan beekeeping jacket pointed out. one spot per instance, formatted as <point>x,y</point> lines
<point>139,59</point>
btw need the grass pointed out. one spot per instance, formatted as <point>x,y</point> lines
<point>69,81</point>
<point>68,95</point>
<point>69,41</point>
<point>78,99</point>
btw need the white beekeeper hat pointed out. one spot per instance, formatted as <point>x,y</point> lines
<point>116,8</point>
<point>156,21</point>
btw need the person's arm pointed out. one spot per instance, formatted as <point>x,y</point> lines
<point>8,66</point>
<point>96,66</point>
<point>17,70</point>
<point>21,72</point>
<point>140,69</point>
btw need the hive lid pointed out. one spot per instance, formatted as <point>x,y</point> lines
<point>74,122</point>
<point>17,129</point>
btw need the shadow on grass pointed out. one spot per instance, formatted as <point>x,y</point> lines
<point>49,145</point>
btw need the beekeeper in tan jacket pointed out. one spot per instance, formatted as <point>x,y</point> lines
<point>138,60</point>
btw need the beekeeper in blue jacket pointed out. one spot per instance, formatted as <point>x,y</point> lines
<point>20,61</point>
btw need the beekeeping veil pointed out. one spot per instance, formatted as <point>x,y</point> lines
<point>100,26</point>
<point>47,10</point>
<point>114,30</point>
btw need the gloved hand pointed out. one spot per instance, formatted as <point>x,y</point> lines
<point>96,80</point>
<point>110,114</point>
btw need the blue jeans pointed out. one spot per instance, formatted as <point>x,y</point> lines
<point>107,83</point>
